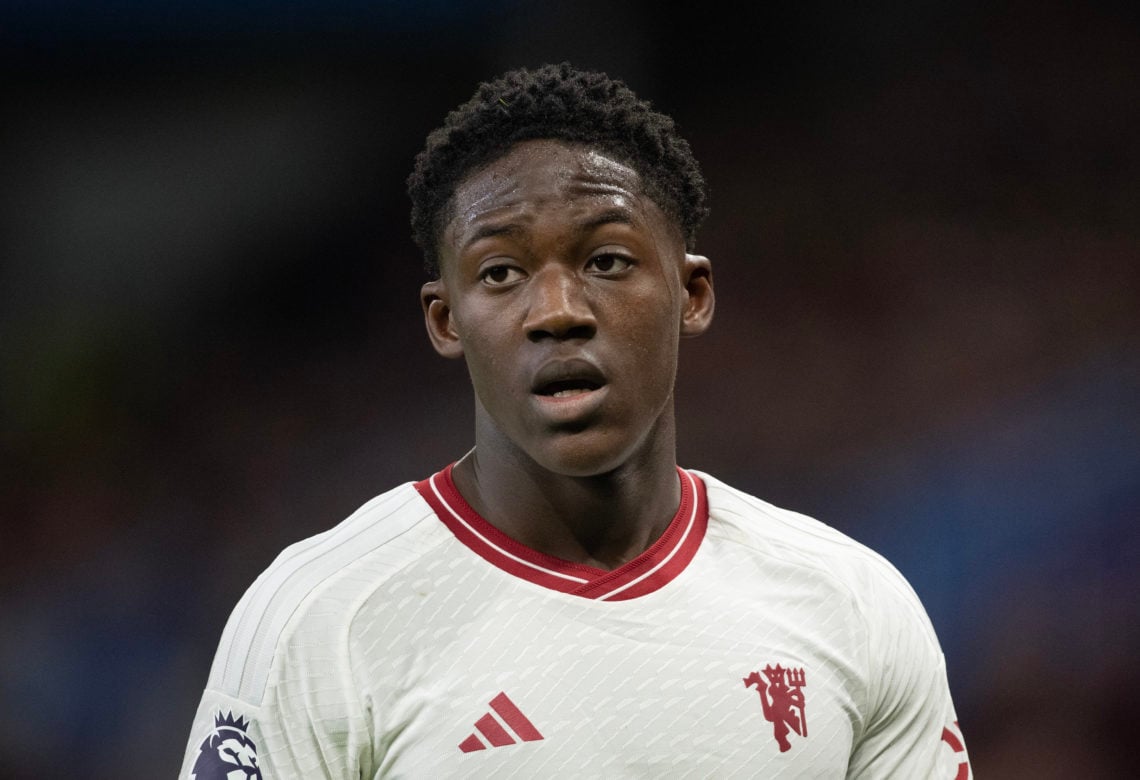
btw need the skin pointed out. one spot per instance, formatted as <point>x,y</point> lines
<point>559,273</point>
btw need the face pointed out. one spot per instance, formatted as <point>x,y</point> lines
<point>566,289</point>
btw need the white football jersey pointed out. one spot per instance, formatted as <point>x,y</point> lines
<point>415,640</point>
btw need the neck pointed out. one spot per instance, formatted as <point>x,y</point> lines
<point>603,520</point>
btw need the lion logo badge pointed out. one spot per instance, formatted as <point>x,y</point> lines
<point>227,753</point>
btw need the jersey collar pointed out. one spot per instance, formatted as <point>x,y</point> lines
<point>658,565</point>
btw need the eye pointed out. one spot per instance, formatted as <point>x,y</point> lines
<point>496,275</point>
<point>609,263</point>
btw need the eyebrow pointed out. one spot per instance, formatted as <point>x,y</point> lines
<point>492,230</point>
<point>608,217</point>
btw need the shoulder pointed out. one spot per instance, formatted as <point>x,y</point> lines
<point>793,537</point>
<point>313,586</point>
<point>813,549</point>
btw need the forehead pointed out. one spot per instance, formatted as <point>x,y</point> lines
<point>534,177</point>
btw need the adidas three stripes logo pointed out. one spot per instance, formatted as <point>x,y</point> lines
<point>503,725</point>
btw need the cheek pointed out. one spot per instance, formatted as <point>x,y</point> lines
<point>479,333</point>
<point>483,367</point>
<point>655,318</point>
<point>486,351</point>
<point>650,339</point>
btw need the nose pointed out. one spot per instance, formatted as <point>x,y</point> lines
<point>559,306</point>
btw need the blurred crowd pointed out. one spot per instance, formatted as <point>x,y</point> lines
<point>926,244</point>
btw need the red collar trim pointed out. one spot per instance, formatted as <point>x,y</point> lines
<point>658,565</point>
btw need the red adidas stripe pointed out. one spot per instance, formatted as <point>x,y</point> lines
<point>495,734</point>
<point>471,744</point>
<point>514,718</point>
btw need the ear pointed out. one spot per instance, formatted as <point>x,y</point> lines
<point>697,314</point>
<point>437,317</point>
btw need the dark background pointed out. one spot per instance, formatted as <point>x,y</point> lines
<point>926,237</point>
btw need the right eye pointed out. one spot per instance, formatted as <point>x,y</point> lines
<point>496,275</point>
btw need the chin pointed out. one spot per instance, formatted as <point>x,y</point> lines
<point>581,455</point>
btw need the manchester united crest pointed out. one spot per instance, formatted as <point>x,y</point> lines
<point>782,700</point>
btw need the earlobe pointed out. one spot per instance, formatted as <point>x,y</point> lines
<point>437,318</point>
<point>700,300</point>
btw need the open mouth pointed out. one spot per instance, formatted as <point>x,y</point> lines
<point>567,379</point>
<point>566,388</point>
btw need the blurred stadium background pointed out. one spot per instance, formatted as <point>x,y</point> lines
<point>926,236</point>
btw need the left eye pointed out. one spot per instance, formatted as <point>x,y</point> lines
<point>607,264</point>
<point>497,275</point>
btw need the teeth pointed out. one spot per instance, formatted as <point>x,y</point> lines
<point>571,391</point>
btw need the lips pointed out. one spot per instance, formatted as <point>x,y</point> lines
<point>567,378</point>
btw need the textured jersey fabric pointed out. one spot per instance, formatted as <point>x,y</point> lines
<point>415,640</point>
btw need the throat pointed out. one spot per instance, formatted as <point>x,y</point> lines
<point>602,522</point>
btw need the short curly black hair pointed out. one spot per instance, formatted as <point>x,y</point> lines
<point>563,103</point>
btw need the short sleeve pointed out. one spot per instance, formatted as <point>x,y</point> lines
<point>305,720</point>
<point>911,728</point>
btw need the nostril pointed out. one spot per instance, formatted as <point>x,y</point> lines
<point>558,305</point>
<point>574,332</point>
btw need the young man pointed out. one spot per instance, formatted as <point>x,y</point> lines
<point>563,600</point>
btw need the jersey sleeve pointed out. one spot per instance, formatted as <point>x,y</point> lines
<point>910,729</point>
<point>287,707</point>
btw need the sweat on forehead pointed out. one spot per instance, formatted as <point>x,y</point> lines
<point>556,165</point>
